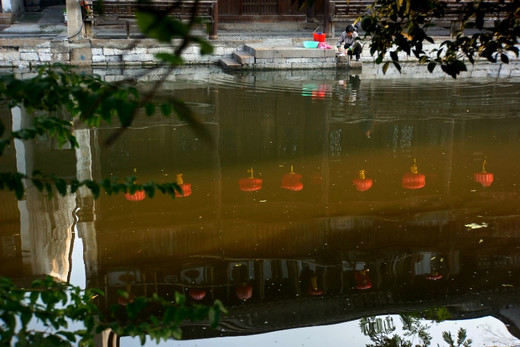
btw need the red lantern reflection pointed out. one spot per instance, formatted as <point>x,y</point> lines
<point>250,184</point>
<point>483,177</point>
<point>291,181</point>
<point>313,289</point>
<point>123,301</point>
<point>434,276</point>
<point>126,298</point>
<point>413,179</point>
<point>244,291</point>
<point>362,183</point>
<point>363,282</point>
<point>320,92</point>
<point>185,187</point>
<point>137,196</point>
<point>197,294</point>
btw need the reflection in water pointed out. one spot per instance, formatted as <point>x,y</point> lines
<point>354,198</point>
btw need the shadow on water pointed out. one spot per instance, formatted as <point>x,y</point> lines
<point>326,199</point>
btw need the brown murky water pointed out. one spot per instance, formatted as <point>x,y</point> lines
<point>276,220</point>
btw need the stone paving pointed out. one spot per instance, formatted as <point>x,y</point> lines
<point>48,22</point>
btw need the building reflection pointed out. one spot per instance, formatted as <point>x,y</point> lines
<point>358,273</point>
<point>278,258</point>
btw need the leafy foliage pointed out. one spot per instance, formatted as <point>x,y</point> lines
<point>402,27</point>
<point>63,100</point>
<point>56,305</point>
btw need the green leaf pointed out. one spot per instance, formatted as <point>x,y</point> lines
<point>145,20</point>
<point>149,108</point>
<point>68,335</point>
<point>33,297</point>
<point>61,186</point>
<point>393,55</point>
<point>25,317</point>
<point>38,184</point>
<point>176,333</point>
<point>149,188</point>
<point>166,108</point>
<point>19,189</point>
<point>385,67</point>
<point>126,112</point>
<point>205,46</point>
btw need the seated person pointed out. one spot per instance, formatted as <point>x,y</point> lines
<point>351,45</point>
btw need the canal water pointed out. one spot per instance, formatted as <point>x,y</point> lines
<point>318,201</point>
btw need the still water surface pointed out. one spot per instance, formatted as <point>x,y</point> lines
<point>319,202</point>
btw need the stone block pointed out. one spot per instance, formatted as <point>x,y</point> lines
<point>155,50</point>
<point>97,51</point>
<point>113,58</point>
<point>9,54</point>
<point>29,56</point>
<point>132,57</point>
<point>113,51</point>
<point>98,58</point>
<point>44,50</point>
<point>61,57</point>
<point>45,57</point>
<point>43,45</point>
<point>137,50</point>
<point>244,57</point>
<point>81,56</point>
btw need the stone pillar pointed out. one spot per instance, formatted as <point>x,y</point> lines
<point>74,20</point>
<point>86,225</point>
<point>45,223</point>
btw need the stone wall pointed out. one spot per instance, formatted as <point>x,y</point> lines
<point>23,53</point>
<point>29,52</point>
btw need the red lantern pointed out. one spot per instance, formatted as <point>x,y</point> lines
<point>244,291</point>
<point>137,196</point>
<point>291,181</point>
<point>434,276</point>
<point>483,177</point>
<point>250,184</point>
<point>313,289</point>
<point>363,282</point>
<point>413,179</point>
<point>362,183</point>
<point>197,294</point>
<point>121,300</point>
<point>185,187</point>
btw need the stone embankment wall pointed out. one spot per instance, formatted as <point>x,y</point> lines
<point>25,53</point>
<point>30,52</point>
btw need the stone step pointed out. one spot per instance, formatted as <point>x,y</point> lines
<point>230,63</point>
<point>244,57</point>
<point>289,51</point>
